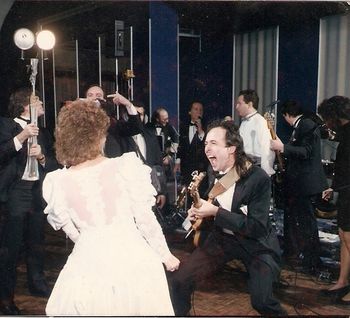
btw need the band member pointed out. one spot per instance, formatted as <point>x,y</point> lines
<point>254,131</point>
<point>167,136</point>
<point>146,146</point>
<point>335,111</point>
<point>242,228</point>
<point>22,199</point>
<point>122,129</point>
<point>191,156</point>
<point>304,181</point>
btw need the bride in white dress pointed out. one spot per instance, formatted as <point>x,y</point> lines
<point>104,206</point>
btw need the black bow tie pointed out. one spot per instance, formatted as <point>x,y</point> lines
<point>218,176</point>
<point>24,119</point>
<point>192,124</point>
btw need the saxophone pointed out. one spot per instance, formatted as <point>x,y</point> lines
<point>31,171</point>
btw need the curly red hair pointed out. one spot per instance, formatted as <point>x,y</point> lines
<point>80,132</point>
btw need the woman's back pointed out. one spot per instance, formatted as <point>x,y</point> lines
<point>117,258</point>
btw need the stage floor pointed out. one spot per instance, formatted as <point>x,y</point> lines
<point>225,294</point>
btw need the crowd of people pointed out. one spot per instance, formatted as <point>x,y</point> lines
<point>103,178</point>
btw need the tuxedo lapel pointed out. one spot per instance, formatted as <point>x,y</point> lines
<point>237,196</point>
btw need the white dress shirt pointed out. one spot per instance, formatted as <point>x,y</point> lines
<point>192,129</point>
<point>225,201</point>
<point>256,139</point>
<point>140,141</point>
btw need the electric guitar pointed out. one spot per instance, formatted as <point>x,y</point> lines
<point>193,190</point>
<point>270,125</point>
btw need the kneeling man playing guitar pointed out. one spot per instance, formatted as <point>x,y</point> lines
<point>239,206</point>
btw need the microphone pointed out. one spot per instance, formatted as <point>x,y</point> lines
<point>99,102</point>
<point>198,121</point>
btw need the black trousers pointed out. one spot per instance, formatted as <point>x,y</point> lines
<point>217,250</point>
<point>23,227</point>
<point>301,230</point>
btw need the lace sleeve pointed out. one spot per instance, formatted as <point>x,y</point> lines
<point>57,212</point>
<point>142,199</point>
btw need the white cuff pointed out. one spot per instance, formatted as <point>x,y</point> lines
<point>17,143</point>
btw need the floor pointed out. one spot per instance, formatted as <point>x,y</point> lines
<point>225,294</point>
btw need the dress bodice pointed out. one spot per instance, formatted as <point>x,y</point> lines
<point>114,194</point>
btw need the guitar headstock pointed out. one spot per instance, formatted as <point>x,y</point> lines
<point>270,120</point>
<point>194,185</point>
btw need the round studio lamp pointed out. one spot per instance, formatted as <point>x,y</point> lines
<point>24,39</point>
<point>45,40</point>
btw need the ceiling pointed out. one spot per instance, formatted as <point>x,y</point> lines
<point>235,16</point>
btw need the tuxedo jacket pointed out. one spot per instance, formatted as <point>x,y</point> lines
<point>192,154</point>
<point>154,155</point>
<point>12,162</point>
<point>112,147</point>
<point>304,170</point>
<point>120,132</point>
<point>254,230</point>
<point>170,136</point>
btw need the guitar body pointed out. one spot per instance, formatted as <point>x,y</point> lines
<point>202,230</point>
<point>193,190</point>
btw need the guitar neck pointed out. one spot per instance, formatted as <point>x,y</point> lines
<point>272,133</point>
<point>274,137</point>
<point>196,200</point>
<point>278,154</point>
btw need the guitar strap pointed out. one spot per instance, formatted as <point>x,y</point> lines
<point>225,183</point>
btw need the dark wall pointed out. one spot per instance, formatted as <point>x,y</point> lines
<point>164,59</point>
<point>206,73</point>
<point>298,68</point>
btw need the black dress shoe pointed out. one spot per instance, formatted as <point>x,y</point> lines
<point>9,309</point>
<point>40,289</point>
<point>336,293</point>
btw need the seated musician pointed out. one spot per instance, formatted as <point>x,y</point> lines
<point>242,228</point>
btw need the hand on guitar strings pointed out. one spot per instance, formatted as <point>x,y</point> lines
<point>205,210</point>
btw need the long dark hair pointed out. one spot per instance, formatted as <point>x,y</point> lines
<point>233,138</point>
<point>334,109</point>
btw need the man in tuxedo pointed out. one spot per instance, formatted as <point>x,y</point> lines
<point>304,181</point>
<point>121,128</point>
<point>241,229</point>
<point>191,156</point>
<point>145,145</point>
<point>168,138</point>
<point>21,199</point>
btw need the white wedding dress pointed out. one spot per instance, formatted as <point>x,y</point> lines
<point>115,268</point>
